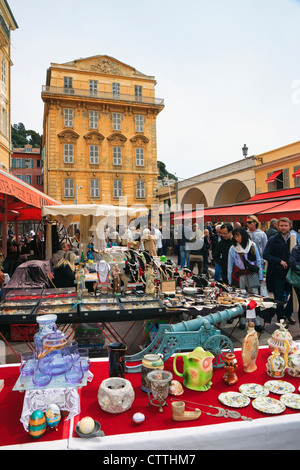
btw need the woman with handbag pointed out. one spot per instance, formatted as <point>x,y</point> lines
<point>244,264</point>
<point>294,265</point>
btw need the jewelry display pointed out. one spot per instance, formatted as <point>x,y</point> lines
<point>102,269</point>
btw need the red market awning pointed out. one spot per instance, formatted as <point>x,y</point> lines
<point>273,177</point>
<point>296,174</point>
<point>281,193</point>
<point>22,191</point>
<point>20,200</point>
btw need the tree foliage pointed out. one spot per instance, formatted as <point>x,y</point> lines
<point>163,173</point>
<point>20,136</point>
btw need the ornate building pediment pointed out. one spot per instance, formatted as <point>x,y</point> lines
<point>116,137</point>
<point>139,139</point>
<point>68,136</point>
<point>93,137</point>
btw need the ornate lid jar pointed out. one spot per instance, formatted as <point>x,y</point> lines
<point>281,339</point>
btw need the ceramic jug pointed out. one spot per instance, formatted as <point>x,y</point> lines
<point>197,369</point>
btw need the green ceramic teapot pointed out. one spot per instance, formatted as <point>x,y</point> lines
<point>197,369</point>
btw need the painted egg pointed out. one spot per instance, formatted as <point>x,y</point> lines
<point>37,424</point>
<point>138,418</point>
<point>86,425</point>
<point>53,415</point>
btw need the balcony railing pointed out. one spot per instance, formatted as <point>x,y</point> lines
<point>101,95</point>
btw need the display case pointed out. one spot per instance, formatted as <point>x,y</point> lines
<point>18,311</point>
<point>104,308</point>
<point>65,309</point>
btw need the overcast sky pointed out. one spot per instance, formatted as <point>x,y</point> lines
<point>229,71</point>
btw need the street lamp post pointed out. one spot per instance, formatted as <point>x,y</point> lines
<point>245,151</point>
<point>78,186</point>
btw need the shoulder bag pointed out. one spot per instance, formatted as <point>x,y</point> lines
<point>293,276</point>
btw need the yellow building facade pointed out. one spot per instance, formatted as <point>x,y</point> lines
<point>7,24</point>
<point>278,169</point>
<point>99,133</point>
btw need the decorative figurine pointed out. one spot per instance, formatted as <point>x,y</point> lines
<point>90,251</point>
<point>250,349</point>
<point>149,277</point>
<point>230,377</point>
<point>197,369</point>
<point>116,275</point>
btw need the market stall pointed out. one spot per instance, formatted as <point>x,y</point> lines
<point>19,201</point>
<point>92,218</point>
<point>224,423</point>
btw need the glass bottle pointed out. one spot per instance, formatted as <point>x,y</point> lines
<point>250,349</point>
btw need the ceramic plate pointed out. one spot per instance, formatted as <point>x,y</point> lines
<point>279,386</point>
<point>291,400</point>
<point>254,390</point>
<point>268,405</point>
<point>234,399</point>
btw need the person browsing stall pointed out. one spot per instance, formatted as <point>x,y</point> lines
<point>257,236</point>
<point>64,271</point>
<point>277,253</point>
<point>220,255</point>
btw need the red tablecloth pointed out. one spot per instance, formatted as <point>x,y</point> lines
<point>122,423</point>
<point>11,403</point>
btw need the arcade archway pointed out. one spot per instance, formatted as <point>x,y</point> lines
<point>231,192</point>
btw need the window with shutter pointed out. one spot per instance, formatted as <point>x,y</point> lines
<point>116,90</point>
<point>140,189</point>
<point>94,154</point>
<point>117,188</point>
<point>139,156</point>
<point>93,87</point>
<point>116,121</point>
<point>138,92</point>
<point>117,156</point>
<point>297,178</point>
<point>285,179</point>
<point>69,187</point>
<point>68,117</point>
<point>93,119</point>
<point>94,188</point>
<point>139,123</point>
<point>68,153</point>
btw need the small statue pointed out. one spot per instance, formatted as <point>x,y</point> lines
<point>116,275</point>
<point>149,277</point>
<point>230,377</point>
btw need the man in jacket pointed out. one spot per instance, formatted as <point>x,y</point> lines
<point>272,230</point>
<point>277,253</point>
<point>220,254</point>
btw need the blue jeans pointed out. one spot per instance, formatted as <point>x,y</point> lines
<point>184,256</point>
<point>280,287</point>
<point>217,272</point>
